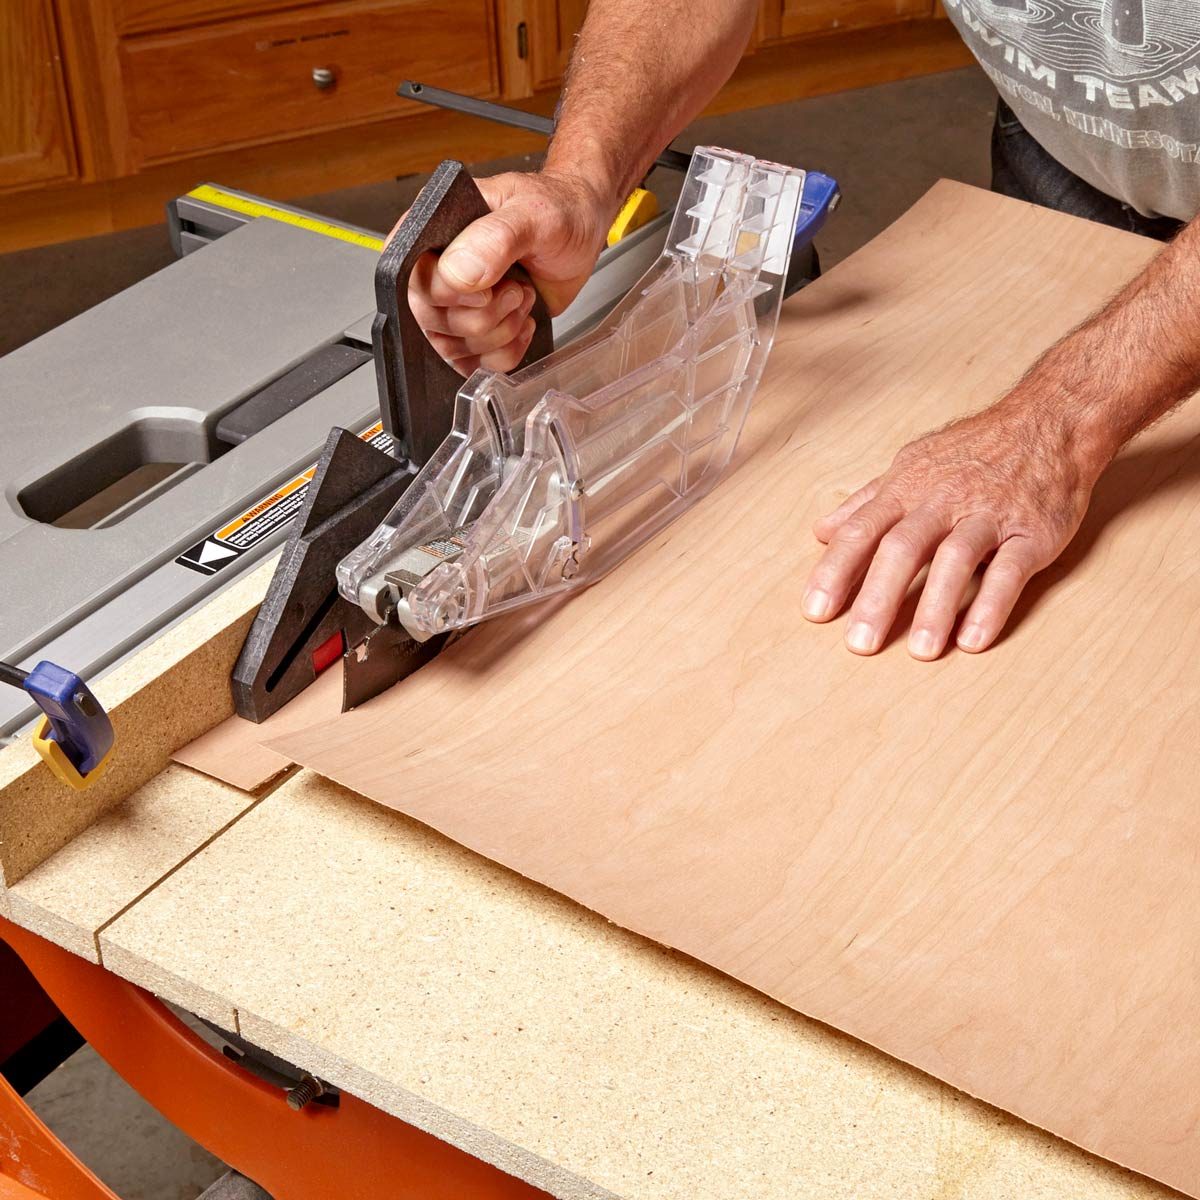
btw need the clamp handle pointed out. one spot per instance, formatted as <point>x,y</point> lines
<point>417,386</point>
<point>821,195</point>
<point>75,735</point>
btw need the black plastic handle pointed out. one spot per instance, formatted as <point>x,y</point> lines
<point>416,385</point>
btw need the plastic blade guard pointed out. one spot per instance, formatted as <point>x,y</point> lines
<point>552,476</point>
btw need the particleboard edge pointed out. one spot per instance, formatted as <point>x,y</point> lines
<point>192,660</point>
<point>406,1106</point>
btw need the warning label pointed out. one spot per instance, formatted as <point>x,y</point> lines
<point>226,545</point>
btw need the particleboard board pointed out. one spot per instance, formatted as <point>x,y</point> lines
<point>160,699</point>
<point>522,1028</point>
<point>71,896</point>
<point>987,866</point>
<point>235,751</point>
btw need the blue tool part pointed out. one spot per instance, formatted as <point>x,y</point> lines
<point>78,723</point>
<point>819,198</point>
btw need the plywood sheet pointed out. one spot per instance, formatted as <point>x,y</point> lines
<point>988,866</point>
<point>518,1026</point>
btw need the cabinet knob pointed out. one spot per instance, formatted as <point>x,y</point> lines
<point>323,78</point>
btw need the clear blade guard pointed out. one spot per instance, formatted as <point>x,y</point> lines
<point>552,476</point>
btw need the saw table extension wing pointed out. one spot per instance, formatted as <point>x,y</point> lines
<point>506,1019</point>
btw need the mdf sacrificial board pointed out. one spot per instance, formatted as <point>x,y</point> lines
<point>457,995</point>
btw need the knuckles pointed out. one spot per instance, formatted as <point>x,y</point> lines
<point>856,532</point>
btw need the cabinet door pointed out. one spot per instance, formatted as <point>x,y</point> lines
<point>35,133</point>
<point>289,74</point>
<point>794,18</point>
<point>536,38</point>
<point>555,26</point>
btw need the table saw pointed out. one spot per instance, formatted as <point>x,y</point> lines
<point>472,1033</point>
<point>186,415</point>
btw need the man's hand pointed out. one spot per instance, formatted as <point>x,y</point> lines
<point>552,223</point>
<point>1011,483</point>
<point>640,70</point>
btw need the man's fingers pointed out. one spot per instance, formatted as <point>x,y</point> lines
<point>479,324</point>
<point>902,552</point>
<point>826,526</point>
<point>507,330</point>
<point>1007,574</point>
<point>950,575</point>
<point>846,558</point>
<point>483,252</point>
<point>426,285</point>
<point>503,359</point>
<point>439,310</point>
<point>507,357</point>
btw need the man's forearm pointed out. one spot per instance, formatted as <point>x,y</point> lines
<point>1129,364</point>
<point>641,70</point>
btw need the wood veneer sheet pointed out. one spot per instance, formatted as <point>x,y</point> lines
<point>235,751</point>
<point>987,866</point>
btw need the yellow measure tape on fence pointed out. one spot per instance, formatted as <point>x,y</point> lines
<point>258,208</point>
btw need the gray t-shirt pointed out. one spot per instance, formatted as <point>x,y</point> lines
<point>1111,88</point>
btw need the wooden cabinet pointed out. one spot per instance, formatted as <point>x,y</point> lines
<point>536,37</point>
<point>153,16</point>
<point>36,146</point>
<point>553,37</point>
<point>110,108</point>
<point>785,19</point>
<point>295,73</point>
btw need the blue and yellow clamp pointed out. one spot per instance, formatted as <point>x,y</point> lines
<point>75,736</point>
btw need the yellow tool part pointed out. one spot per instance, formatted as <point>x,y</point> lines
<point>60,765</point>
<point>640,208</point>
<point>257,208</point>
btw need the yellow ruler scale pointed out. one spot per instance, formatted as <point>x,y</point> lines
<point>257,208</point>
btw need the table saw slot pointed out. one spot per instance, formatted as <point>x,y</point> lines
<point>109,481</point>
<point>112,480</point>
<point>320,370</point>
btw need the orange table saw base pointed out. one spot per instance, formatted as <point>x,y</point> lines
<point>315,1154</point>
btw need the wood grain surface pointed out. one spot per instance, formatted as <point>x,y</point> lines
<point>235,751</point>
<point>35,131</point>
<point>988,867</point>
<point>380,956</point>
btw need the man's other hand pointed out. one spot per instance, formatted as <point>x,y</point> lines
<point>1010,484</point>
<point>553,224</point>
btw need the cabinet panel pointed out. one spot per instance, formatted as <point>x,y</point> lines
<point>35,135</point>
<point>537,37</point>
<point>554,38</point>
<point>287,75</point>
<point>798,17</point>
<point>141,16</point>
